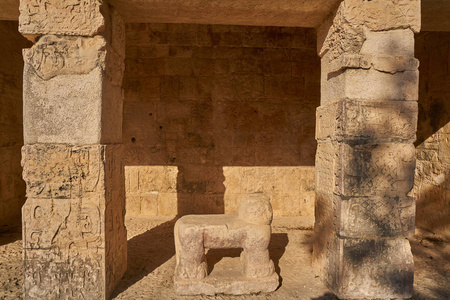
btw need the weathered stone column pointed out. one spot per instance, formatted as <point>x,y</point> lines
<point>74,237</point>
<point>366,127</point>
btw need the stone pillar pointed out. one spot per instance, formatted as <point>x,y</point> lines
<point>74,237</point>
<point>366,126</point>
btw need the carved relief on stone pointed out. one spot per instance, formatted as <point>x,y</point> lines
<point>68,17</point>
<point>343,36</point>
<point>385,170</point>
<point>48,276</point>
<point>375,217</point>
<point>367,121</point>
<point>378,15</point>
<point>376,170</point>
<point>354,17</point>
<point>52,55</point>
<point>365,217</point>
<point>53,171</point>
<point>63,248</point>
<point>373,268</point>
<point>74,211</point>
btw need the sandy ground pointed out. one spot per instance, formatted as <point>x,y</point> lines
<point>151,263</point>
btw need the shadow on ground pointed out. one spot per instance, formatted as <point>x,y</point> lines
<point>146,252</point>
<point>277,247</point>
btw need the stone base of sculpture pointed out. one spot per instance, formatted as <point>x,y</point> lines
<point>250,230</point>
<point>230,284</point>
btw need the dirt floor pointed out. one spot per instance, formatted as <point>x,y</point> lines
<point>151,263</point>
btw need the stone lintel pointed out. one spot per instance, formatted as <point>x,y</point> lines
<point>367,122</point>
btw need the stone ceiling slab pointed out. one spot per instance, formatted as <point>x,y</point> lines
<point>301,13</point>
<point>435,15</point>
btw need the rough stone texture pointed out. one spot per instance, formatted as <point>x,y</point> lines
<point>366,217</point>
<point>76,17</point>
<point>381,59</point>
<point>362,84</point>
<point>355,18</point>
<point>365,158</point>
<point>348,120</point>
<point>369,268</point>
<point>217,102</point>
<point>66,81</point>
<point>74,239</point>
<point>12,187</point>
<point>290,189</point>
<point>365,170</point>
<point>250,230</point>
<point>432,187</point>
<point>151,190</point>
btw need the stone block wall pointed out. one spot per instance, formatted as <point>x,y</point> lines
<point>212,112</point>
<point>432,179</point>
<point>12,187</point>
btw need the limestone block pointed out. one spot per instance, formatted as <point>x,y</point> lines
<point>381,15</point>
<point>365,217</point>
<point>365,170</point>
<point>56,171</point>
<point>290,189</point>
<point>70,94</point>
<point>167,204</point>
<point>161,179</point>
<point>149,204</point>
<point>354,18</point>
<point>372,217</point>
<point>367,121</point>
<point>399,43</point>
<point>250,230</point>
<point>74,212</point>
<point>431,183</point>
<point>63,248</point>
<point>133,204</point>
<point>369,85</point>
<point>75,17</point>
<point>327,164</point>
<point>385,169</point>
<point>53,55</point>
<point>370,268</point>
<point>381,62</point>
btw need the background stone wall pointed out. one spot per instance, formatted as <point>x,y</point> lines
<point>12,187</point>
<point>212,112</point>
<point>432,180</point>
